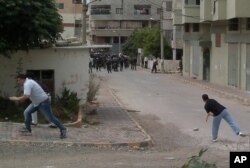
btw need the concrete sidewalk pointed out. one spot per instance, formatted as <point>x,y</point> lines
<point>116,128</point>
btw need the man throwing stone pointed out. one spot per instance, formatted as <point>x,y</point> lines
<point>39,102</point>
<point>219,112</point>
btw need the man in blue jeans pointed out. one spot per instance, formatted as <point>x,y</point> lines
<point>219,112</point>
<point>39,102</point>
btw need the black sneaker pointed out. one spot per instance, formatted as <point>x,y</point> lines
<point>63,134</point>
<point>25,131</point>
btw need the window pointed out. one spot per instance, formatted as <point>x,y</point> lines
<point>196,27</point>
<point>60,5</point>
<point>144,23</point>
<point>168,5</point>
<point>213,7</point>
<point>116,40</point>
<point>78,25</point>
<point>233,24</point>
<point>248,24</point>
<point>76,1</point>
<point>119,10</point>
<point>100,9</point>
<point>217,40</point>
<point>194,2</point>
<point>187,27</point>
<point>142,9</point>
<point>46,77</point>
<point>158,11</point>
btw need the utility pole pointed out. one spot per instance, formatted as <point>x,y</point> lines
<point>84,11</point>
<point>162,40</point>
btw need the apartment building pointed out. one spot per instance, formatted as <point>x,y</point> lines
<point>112,22</point>
<point>71,12</point>
<point>216,41</point>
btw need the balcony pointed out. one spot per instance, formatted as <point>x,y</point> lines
<point>111,32</point>
<point>177,17</point>
<point>238,9</point>
<point>206,11</point>
<point>219,10</point>
<point>191,14</point>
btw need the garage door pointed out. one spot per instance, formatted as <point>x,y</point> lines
<point>248,68</point>
<point>233,67</point>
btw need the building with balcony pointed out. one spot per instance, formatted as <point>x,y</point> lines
<point>216,41</point>
<point>71,12</point>
<point>112,22</point>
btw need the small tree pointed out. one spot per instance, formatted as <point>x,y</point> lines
<point>149,40</point>
<point>93,87</point>
<point>25,24</point>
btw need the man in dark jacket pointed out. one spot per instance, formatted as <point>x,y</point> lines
<point>219,112</point>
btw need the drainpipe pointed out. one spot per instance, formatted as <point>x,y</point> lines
<point>84,11</point>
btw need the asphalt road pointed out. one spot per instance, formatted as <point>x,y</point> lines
<point>173,101</point>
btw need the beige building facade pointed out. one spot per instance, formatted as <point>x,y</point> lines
<point>71,12</point>
<point>216,41</point>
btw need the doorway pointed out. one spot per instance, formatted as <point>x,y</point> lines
<point>46,77</point>
<point>206,64</point>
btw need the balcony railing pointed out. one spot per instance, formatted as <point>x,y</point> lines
<point>100,12</point>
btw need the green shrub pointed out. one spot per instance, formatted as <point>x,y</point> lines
<point>196,162</point>
<point>66,106</point>
<point>93,87</point>
<point>11,111</point>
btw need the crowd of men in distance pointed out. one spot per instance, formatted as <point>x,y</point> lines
<point>111,62</point>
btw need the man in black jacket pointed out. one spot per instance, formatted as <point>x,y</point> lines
<point>219,112</point>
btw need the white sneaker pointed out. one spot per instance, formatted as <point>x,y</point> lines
<point>214,140</point>
<point>241,134</point>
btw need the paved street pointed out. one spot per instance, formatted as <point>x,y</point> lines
<point>175,101</point>
<point>168,107</point>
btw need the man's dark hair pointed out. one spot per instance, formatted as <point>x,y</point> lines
<point>21,76</point>
<point>205,97</point>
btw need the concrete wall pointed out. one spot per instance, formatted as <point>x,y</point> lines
<point>170,66</point>
<point>70,66</point>
<point>219,62</point>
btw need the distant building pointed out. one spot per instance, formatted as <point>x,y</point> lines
<point>71,12</point>
<point>113,21</point>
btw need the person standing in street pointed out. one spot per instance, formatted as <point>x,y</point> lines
<point>219,112</point>
<point>154,67</point>
<point>146,62</point>
<point>39,102</point>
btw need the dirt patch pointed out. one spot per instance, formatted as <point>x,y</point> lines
<point>178,146</point>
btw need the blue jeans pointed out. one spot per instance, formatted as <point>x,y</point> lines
<point>45,108</point>
<point>228,118</point>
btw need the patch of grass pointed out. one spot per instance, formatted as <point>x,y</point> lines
<point>197,162</point>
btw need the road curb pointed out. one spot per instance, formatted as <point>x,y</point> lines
<point>145,143</point>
